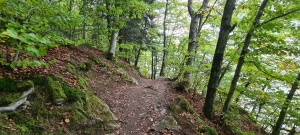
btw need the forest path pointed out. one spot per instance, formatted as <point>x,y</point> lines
<point>138,107</point>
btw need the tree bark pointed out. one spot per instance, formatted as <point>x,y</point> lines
<point>196,21</point>
<point>242,59</point>
<point>284,108</point>
<point>162,73</point>
<point>113,45</point>
<point>225,29</point>
<point>137,57</point>
<point>84,26</point>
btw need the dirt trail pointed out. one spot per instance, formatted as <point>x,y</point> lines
<point>138,107</point>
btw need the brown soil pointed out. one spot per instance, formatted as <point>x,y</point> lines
<point>138,107</point>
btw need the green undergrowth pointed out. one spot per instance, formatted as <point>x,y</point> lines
<point>42,116</point>
<point>184,113</point>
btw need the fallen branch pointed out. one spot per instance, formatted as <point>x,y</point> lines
<point>16,104</point>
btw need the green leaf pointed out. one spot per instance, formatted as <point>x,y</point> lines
<point>12,33</point>
<point>33,51</point>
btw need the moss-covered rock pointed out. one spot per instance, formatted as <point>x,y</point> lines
<point>184,113</point>
<point>25,85</point>
<point>55,90</point>
<point>167,123</point>
<point>8,98</point>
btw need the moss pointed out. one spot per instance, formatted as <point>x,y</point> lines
<point>98,61</point>
<point>179,106</point>
<point>39,80</point>
<point>208,131</point>
<point>8,85</point>
<point>72,93</point>
<point>71,68</point>
<point>8,98</point>
<point>55,90</point>
<point>85,66</point>
<point>82,83</point>
<point>25,85</point>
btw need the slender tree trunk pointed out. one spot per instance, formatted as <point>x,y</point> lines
<point>241,60</point>
<point>165,41</point>
<point>84,26</point>
<point>137,57</point>
<point>284,108</point>
<point>215,72</point>
<point>196,21</point>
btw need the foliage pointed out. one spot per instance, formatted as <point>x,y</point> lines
<point>32,27</point>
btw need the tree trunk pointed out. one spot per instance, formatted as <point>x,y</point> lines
<point>137,57</point>
<point>276,129</point>
<point>215,72</point>
<point>196,21</point>
<point>165,41</point>
<point>241,60</point>
<point>113,46</point>
<point>114,32</point>
<point>84,26</point>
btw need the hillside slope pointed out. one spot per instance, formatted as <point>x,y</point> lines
<point>140,104</point>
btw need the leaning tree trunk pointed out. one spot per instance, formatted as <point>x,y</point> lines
<point>196,21</point>
<point>162,72</point>
<point>241,60</point>
<point>276,129</point>
<point>215,72</point>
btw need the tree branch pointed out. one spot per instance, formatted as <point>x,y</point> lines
<point>263,71</point>
<point>206,18</point>
<point>277,17</point>
<point>190,8</point>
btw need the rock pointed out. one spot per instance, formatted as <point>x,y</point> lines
<point>126,77</point>
<point>134,81</point>
<point>55,90</point>
<point>188,117</point>
<point>25,85</point>
<point>168,122</point>
<point>94,110</point>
